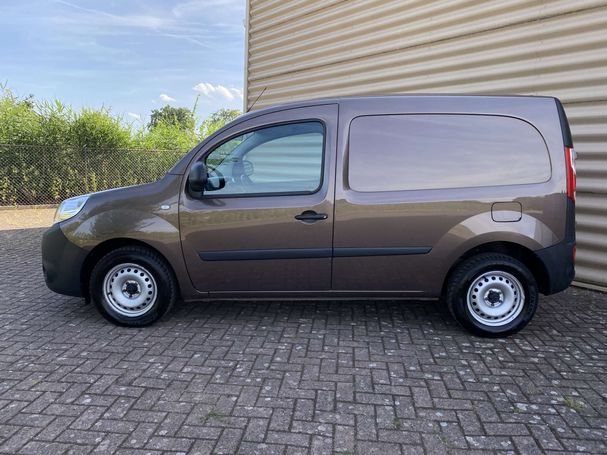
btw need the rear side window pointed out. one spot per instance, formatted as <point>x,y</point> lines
<point>417,152</point>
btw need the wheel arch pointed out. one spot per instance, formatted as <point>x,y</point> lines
<point>105,247</point>
<point>515,250</point>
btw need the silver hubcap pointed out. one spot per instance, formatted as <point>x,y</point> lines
<point>130,290</point>
<point>495,298</point>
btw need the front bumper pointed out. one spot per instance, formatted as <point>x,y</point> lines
<point>62,262</point>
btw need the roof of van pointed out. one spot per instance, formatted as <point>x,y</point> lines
<point>372,99</point>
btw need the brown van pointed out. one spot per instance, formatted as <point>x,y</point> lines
<point>468,198</point>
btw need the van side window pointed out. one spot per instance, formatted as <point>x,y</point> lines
<point>277,159</point>
<point>433,151</point>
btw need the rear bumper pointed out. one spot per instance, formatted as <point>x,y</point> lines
<point>558,262</point>
<point>61,262</point>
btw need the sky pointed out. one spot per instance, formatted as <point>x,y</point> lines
<point>129,55</point>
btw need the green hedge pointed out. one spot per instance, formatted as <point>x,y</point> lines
<point>47,175</point>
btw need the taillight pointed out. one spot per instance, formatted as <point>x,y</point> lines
<point>570,163</point>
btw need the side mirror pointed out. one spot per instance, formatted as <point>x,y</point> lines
<point>215,181</point>
<point>198,177</point>
<point>200,180</point>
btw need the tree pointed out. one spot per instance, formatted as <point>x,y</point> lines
<point>98,129</point>
<point>56,120</point>
<point>19,121</point>
<point>169,115</point>
<point>216,120</point>
<point>165,137</point>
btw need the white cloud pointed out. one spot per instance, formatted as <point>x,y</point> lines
<point>135,116</point>
<point>204,88</point>
<point>209,89</point>
<point>225,92</point>
<point>166,98</point>
<point>237,92</point>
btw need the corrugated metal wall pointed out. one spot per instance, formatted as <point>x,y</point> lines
<point>301,49</point>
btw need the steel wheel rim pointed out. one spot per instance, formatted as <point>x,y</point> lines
<point>130,289</point>
<point>495,298</point>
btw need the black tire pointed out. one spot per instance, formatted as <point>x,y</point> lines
<point>156,270</point>
<point>468,272</point>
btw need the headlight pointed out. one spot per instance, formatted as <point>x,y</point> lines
<point>70,207</point>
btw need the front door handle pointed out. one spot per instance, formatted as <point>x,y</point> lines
<point>310,216</point>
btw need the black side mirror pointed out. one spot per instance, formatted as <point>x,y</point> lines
<point>215,181</point>
<point>200,180</point>
<point>198,177</point>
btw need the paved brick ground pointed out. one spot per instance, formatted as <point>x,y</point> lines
<point>290,378</point>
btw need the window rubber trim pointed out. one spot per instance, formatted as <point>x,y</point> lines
<point>277,194</point>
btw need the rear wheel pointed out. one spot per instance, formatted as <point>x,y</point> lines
<point>133,286</point>
<point>492,295</point>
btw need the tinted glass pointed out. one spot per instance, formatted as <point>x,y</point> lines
<point>278,159</point>
<point>416,152</point>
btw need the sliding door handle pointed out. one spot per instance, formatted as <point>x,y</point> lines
<point>310,216</point>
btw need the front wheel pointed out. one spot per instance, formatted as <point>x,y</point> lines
<point>492,295</point>
<point>132,286</point>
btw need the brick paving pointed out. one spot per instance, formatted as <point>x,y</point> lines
<point>292,377</point>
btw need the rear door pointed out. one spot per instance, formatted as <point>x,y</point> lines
<point>270,228</point>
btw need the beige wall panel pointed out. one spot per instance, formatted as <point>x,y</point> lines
<point>302,49</point>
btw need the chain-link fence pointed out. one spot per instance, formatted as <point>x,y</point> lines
<point>32,175</point>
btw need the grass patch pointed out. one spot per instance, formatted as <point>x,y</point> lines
<point>574,404</point>
<point>213,415</point>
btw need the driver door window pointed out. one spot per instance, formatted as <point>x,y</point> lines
<point>277,159</point>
